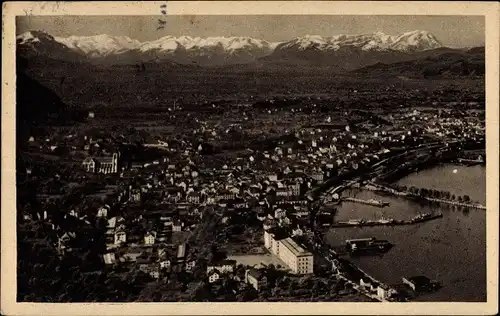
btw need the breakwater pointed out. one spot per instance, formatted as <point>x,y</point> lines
<point>388,222</point>
<point>371,202</point>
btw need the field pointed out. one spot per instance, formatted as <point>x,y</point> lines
<point>104,88</point>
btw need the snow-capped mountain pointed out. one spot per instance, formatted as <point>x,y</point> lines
<point>410,41</point>
<point>209,50</point>
<point>415,41</point>
<point>40,43</point>
<point>228,50</point>
<point>99,45</point>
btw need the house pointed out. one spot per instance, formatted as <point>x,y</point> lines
<point>255,278</point>
<point>134,195</point>
<point>177,225</point>
<point>89,164</point>
<point>154,271</point>
<point>190,264</point>
<point>163,258</point>
<point>64,242</point>
<point>149,238</point>
<point>103,211</point>
<point>109,258</point>
<point>297,231</point>
<point>279,213</point>
<point>120,237</point>
<point>181,252</point>
<point>146,266</point>
<point>193,197</point>
<point>165,263</point>
<point>366,284</point>
<point>269,224</point>
<point>383,292</point>
<point>223,266</point>
<point>214,276</point>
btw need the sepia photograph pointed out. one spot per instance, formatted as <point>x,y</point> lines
<point>320,158</point>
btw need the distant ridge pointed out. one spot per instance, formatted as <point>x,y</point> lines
<point>309,49</point>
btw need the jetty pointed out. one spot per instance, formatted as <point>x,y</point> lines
<point>379,187</point>
<point>470,162</point>
<point>371,202</point>
<point>388,222</point>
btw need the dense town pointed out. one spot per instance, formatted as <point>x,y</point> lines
<point>228,200</point>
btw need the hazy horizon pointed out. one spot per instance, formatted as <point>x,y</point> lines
<point>451,31</point>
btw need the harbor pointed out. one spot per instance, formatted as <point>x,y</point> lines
<point>453,240</point>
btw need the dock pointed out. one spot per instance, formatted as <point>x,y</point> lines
<point>371,202</point>
<point>388,222</point>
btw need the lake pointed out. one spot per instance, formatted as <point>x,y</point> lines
<point>451,250</point>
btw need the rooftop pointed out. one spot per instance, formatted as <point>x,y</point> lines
<point>294,247</point>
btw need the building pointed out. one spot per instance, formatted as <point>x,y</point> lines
<point>120,237</point>
<point>181,252</point>
<point>103,211</point>
<point>64,242</point>
<point>109,258</point>
<point>421,283</point>
<point>190,264</point>
<point>295,257</point>
<point>223,266</point>
<point>177,225</point>
<point>255,278</point>
<point>149,238</point>
<point>103,165</point>
<point>213,276</point>
<point>272,238</point>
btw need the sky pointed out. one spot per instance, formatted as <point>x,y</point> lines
<point>452,31</point>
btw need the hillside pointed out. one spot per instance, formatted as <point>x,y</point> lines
<point>447,64</point>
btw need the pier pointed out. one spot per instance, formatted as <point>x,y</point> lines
<point>477,206</point>
<point>379,187</point>
<point>371,202</point>
<point>388,222</point>
<point>470,162</point>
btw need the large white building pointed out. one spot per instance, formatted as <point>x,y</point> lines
<point>294,256</point>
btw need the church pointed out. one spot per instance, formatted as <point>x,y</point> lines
<point>103,165</point>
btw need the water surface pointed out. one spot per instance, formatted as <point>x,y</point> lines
<point>451,249</point>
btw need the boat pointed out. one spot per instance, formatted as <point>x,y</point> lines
<point>385,220</point>
<point>355,221</point>
<point>367,245</point>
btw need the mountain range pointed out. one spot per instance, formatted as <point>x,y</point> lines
<point>343,51</point>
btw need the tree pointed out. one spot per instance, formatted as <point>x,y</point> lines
<point>453,196</point>
<point>466,198</point>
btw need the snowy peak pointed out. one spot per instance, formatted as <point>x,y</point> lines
<point>99,45</point>
<point>379,41</point>
<point>416,41</point>
<point>31,37</point>
<point>41,43</point>
<point>222,50</point>
<point>228,44</point>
